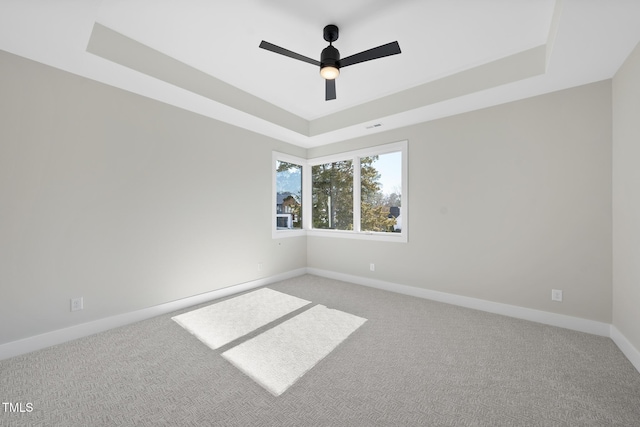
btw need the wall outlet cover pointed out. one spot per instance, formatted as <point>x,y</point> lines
<point>77,304</point>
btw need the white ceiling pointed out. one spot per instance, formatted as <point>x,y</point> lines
<point>203,56</point>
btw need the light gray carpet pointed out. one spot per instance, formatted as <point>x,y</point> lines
<point>414,362</point>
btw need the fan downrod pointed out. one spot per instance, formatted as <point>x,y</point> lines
<point>330,33</point>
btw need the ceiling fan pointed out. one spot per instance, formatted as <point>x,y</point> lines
<point>330,62</point>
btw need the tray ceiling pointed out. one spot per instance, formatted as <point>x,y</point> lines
<point>203,56</point>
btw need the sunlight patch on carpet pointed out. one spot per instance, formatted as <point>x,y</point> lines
<point>219,324</point>
<point>278,357</point>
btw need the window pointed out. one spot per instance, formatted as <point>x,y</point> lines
<point>332,185</point>
<point>381,192</point>
<point>288,194</point>
<point>288,200</point>
<point>360,194</point>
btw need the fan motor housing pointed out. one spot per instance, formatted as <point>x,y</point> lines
<point>330,57</point>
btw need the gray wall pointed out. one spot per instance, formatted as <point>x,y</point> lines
<point>132,203</point>
<point>626,199</point>
<point>505,204</point>
<point>123,200</point>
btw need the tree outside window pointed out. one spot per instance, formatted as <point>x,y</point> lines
<point>380,207</point>
<point>333,195</point>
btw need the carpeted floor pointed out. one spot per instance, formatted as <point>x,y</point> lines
<point>414,362</point>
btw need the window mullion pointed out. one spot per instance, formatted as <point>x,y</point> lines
<point>307,199</point>
<point>357,195</point>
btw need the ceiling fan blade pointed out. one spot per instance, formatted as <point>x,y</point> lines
<point>282,51</point>
<point>388,49</point>
<point>330,90</point>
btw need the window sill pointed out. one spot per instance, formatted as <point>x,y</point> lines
<point>343,234</point>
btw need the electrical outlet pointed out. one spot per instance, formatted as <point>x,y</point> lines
<point>556,295</point>
<point>77,304</point>
<point>372,267</point>
<point>260,266</point>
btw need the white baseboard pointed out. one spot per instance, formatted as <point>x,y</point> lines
<point>553,319</point>
<point>60,336</point>
<point>48,339</point>
<point>632,353</point>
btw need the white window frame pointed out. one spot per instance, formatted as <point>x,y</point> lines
<point>307,202</point>
<point>275,233</point>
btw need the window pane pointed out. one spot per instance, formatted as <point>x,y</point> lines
<point>288,196</point>
<point>381,189</point>
<point>332,193</point>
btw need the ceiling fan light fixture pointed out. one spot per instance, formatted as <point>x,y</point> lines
<point>329,72</point>
<point>330,62</point>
